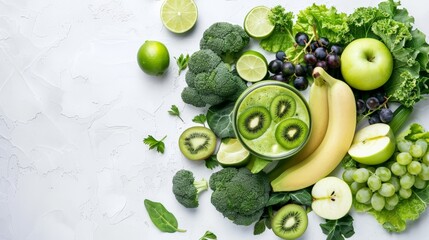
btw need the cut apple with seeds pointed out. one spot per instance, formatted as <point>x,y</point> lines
<point>373,144</point>
<point>332,198</point>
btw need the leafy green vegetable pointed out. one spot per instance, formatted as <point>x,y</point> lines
<point>155,144</point>
<point>348,162</point>
<point>182,62</point>
<point>302,197</point>
<point>361,20</point>
<point>201,118</point>
<point>326,22</point>
<point>164,220</point>
<point>282,37</point>
<point>259,227</point>
<point>174,111</point>
<point>219,119</point>
<point>338,229</point>
<point>208,235</point>
<point>211,162</point>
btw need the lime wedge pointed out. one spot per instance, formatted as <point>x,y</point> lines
<point>232,153</point>
<point>179,16</point>
<point>257,24</point>
<point>252,66</point>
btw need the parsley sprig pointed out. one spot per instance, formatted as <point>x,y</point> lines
<point>155,144</point>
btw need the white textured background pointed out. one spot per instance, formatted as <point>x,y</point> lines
<point>75,107</point>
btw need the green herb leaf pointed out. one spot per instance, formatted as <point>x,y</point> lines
<point>208,235</point>
<point>348,162</point>
<point>259,227</point>
<point>338,229</point>
<point>174,111</point>
<point>211,162</point>
<point>302,197</point>
<point>182,62</point>
<point>201,118</point>
<point>219,119</point>
<point>155,144</point>
<point>164,220</point>
<point>279,198</point>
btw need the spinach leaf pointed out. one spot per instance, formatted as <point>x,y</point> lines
<point>338,229</point>
<point>219,119</point>
<point>164,220</point>
<point>209,235</point>
<point>259,227</point>
<point>302,197</point>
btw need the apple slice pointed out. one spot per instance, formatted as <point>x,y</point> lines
<point>332,198</point>
<point>373,144</point>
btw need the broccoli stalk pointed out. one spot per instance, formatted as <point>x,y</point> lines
<point>240,195</point>
<point>186,189</point>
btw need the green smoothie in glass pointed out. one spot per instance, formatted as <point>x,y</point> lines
<point>272,120</point>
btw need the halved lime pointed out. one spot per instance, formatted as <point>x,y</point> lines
<point>257,24</point>
<point>232,153</point>
<point>179,16</point>
<point>252,66</point>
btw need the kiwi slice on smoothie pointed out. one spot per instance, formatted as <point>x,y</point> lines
<point>290,221</point>
<point>197,143</point>
<point>291,133</point>
<point>282,107</point>
<point>253,122</point>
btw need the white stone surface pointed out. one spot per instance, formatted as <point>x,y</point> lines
<point>75,107</point>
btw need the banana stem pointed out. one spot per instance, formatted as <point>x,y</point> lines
<point>319,72</point>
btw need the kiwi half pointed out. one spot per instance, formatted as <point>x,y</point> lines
<point>290,221</point>
<point>282,107</point>
<point>291,133</point>
<point>197,143</point>
<point>253,122</point>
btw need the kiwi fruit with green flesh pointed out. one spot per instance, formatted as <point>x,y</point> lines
<point>290,221</point>
<point>282,107</point>
<point>197,143</point>
<point>253,122</point>
<point>291,133</point>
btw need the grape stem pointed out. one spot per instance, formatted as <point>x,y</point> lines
<point>383,105</point>
<point>295,59</point>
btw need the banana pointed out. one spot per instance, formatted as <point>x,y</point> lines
<point>318,104</point>
<point>335,144</point>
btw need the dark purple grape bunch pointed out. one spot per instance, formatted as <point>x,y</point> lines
<point>316,54</point>
<point>375,106</point>
<point>321,53</point>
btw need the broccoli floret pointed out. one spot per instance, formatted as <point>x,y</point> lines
<point>239,194</point>
<point>210,81</point>
<point>186,189</point>
<point>225,39</point>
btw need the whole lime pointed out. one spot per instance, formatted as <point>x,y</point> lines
<point>153,58</point>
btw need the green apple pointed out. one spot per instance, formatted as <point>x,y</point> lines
<point>373,144</point>
<point>332,198</point>
<point>366,64</point>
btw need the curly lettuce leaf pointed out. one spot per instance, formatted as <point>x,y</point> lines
<point>398,14</point>
<point>326,21</point>
<point>282,37</point>
<point>361,20</point>
<point>393,33</point>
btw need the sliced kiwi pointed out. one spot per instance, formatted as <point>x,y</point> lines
<point>291,133</point>
<point>282,107</point>
<point>197,143</point>
<point>253,122</point>
<point>290,221</point>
